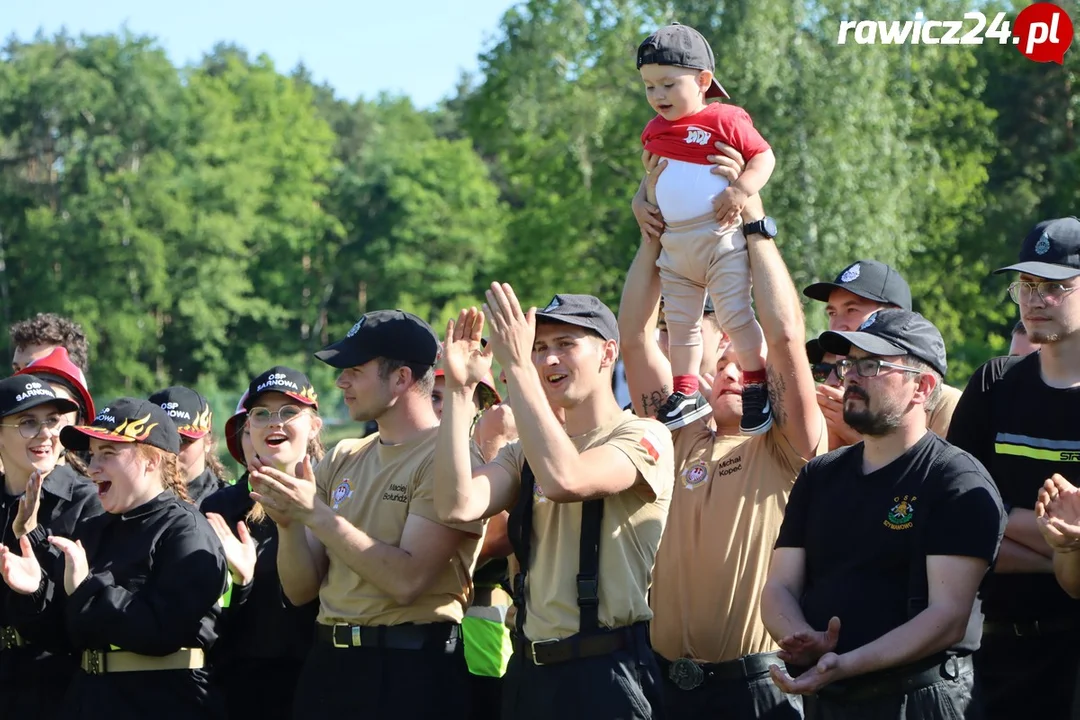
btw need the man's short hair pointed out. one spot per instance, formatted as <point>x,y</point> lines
<point>1019,329</point>
<point>423,375</point>
<point>53,329</point>
<point>935,396</point>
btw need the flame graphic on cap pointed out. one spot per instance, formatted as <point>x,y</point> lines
<point>137,430</point>
<point>308,393</point>
<point>201,423</point>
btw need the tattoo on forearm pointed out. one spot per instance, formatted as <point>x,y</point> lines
<point>777,385</point>
<point>651,402</point>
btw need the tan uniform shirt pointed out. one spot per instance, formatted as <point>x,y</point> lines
<point>730,496</point>
<point>377,487</point>
<point>629,535</point>
<point>939,420</point>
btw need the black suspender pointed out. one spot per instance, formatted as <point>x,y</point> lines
<point>519,528</point>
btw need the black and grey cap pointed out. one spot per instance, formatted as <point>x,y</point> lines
<point>23,392</point>
<point>584,311</point>
<point>683,46</point>
<point>391,334</point>
<point>892,332</point>
<point>868,279</point>
<point>1051,250</point>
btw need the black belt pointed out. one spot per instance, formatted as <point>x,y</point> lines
<point>687,674</point>
<point>594,644</point>
<point>443,636</point>
<point>898,681</point>
<point>1031,628</point>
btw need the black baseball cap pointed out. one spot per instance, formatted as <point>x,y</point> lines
<point>584,311</point>
<point>814,352</point>
<point>683,46</point>
<point>1051,250</point>
<point>23,392</point>
<point>189,410</point>
<point>283,380</point>
<point>126,420</point>
<point>391,334</point>
<point>892,332</point>
<point>868,279</point>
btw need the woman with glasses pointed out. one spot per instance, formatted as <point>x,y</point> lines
<point>265,638</point>
<point>39,498</point>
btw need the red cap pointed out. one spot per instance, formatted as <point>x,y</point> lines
<point>58,363</point>
<point>232,434</point>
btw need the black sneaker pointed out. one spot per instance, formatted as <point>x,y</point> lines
<point>756,411</point>
<point>680,410</point>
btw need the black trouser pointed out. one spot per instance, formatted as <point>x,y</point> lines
<point>1033,676</point>
<point>737,690</point>
<point>376,682</point>
<point>621,685</point>
<point>239,679</point>
<point>941,692</point>
<point>486,694</point>
<point>32,686</point>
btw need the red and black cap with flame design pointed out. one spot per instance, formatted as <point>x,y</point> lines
<point>126,420</point>
<point>189,410</point>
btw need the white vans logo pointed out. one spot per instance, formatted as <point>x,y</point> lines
<point>697,136</point>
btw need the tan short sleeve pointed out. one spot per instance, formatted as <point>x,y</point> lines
<point>648,445</point>
<point>781,448</point>
<point>941,418</point>
<point>511,459</point>
<point>422,499</point>
<point>324,474</point>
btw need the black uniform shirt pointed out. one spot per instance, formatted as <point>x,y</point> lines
<point>265,624</point>
<point>66,498</point>
<point>157,574</point>
<point>1023,431</point>
<point>867,537</point>
<point>204,486</point>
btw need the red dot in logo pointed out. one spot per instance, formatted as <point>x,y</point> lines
<point>1043,32</point>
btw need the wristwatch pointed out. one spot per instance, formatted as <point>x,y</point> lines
<point>766,226</point>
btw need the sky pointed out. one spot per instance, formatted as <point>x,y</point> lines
<point>417,48</point>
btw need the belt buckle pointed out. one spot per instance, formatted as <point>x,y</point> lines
<point>354,636</point>
<point>8,639</point>
<point>686,674</point>
<point>1020,628</point>
<point>536,644</point>
<point>93,660</point>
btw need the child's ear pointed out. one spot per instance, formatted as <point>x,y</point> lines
<point>704,80</point>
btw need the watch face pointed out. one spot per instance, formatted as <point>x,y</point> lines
<point>770,226</point>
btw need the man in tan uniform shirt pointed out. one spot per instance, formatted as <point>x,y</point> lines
<point>588,501</point>
<point>730,494</point>
<point>859,291</point>
<point>361,533</point>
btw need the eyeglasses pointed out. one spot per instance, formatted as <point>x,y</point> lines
<point>869,367</point>
<point>1052,293</point>
<point>821,371</point>
<point>260,417</point>
<point>29,427</point>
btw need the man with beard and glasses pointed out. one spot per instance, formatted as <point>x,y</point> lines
<point>1019,416</point>
<point>873,587</point>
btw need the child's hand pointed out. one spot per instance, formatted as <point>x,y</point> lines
<point>729,205</point>
<point>644,206</point>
